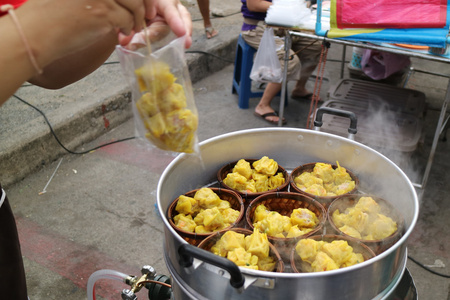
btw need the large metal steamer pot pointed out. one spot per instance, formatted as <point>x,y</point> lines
<point>290,147</point>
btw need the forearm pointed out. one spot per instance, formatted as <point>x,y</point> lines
<point>74,67</point>
<point>15,64</point>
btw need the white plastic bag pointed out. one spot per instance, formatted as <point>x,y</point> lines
<point>267,67</point>
<point>287,13</point>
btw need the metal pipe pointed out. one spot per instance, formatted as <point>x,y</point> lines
<point>436,136</point>
<point>287,47</point>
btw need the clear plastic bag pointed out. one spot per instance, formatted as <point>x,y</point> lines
<point>163,101</point>
<point>267,67</point>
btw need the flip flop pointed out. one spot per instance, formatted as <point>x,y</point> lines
<point>210,32</point>
<point>270,114</point>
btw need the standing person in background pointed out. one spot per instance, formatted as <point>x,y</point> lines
<point>300,67</point>
<point>53,43</point>
<point>203,5</point>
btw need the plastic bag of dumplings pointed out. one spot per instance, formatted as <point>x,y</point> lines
<point>163,102</point>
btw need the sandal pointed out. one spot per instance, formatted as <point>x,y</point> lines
<point>210,32</point>
<point>270,114</point>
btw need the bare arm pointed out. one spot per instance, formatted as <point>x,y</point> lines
<point>70,39</point>
<point>76,66</point>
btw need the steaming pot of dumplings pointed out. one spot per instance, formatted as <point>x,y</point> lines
<point>196,275</point>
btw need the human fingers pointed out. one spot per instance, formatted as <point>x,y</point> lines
<point>177,16</point>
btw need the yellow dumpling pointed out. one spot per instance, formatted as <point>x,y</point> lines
<point>261,212</point>
<point>355,258</point>
<point>250,186</point>
<point>307,249</point>
<point>266,264</point>
<point>243,167</point>
<point>323,263</point>
<point>147,105</point>
<point>200,229</point>
<point>243,258</point>
<point>181,121</point>
<point>343,188</point>
<point>274,224</point>
<point>266,166</point>
<point>232,240</point>
<point>357,219</point>
<point>316,189</point>
<point>340,175</point>
<point>156,125</point>
<point>276,181</point>
<point>229,241</point>
<point>261,182</point>
<point>294,231</point>
<point>236,181</point>
<point>350,231</point>
<point>338,250</point>
<point>230,216</point>
<point>186,205</point>
<point>155,77</point>
<point>173,98</point>
<point>368,205</point>
<point>306,179</point>
<point>303,217</point>
<point>381,227</point>
<point>258,244</point>
<point>185,222</point>
<point>207,198</point>
<point>318,256</point>
<point>323,171</point>
<point>211,218</point>
<point>223,205</point>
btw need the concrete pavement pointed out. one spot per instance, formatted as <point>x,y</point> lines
<point>98,208</point>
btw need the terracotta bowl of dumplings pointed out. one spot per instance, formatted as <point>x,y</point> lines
<point>284,203</point>
<point>193,238</point>
<point>367,219</point>
<point>300,266</point>
<point>247,196</point>
<point>210,241</point>
<point>324,200</point>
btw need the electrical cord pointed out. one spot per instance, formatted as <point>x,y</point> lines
<point>428,269</point>
<point>56,137</point>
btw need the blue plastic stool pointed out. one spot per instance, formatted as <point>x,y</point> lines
<point>242,84</point>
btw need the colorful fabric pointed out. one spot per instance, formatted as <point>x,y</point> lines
<point>433,37</point>
<point>391,13</point>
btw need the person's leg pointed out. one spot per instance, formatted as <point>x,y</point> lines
<point>263,106</point>
<point>308,55</point>
<point>12,273</point>
<point>203,6</point>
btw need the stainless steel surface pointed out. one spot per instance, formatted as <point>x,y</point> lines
<point>290,147</point>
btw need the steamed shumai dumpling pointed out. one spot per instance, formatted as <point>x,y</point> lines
<point>266,166</point>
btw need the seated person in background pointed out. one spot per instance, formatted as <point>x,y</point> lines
<point>300,67</point>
